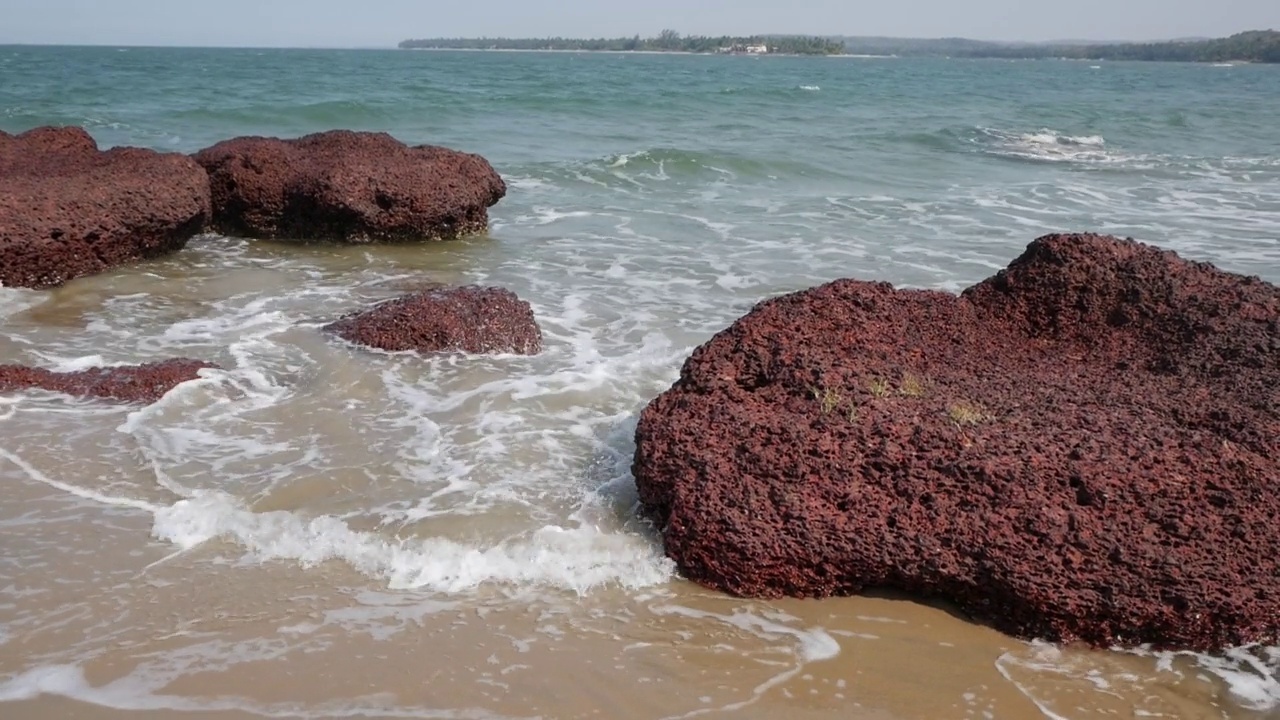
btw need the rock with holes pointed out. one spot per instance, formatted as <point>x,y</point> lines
<point>348,186</point>
<point>127,383</point>
<point>1085,446</point>
<point>68,209</point>
<point>470,319</point>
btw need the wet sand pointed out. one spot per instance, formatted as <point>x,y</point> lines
<point>196,634</point>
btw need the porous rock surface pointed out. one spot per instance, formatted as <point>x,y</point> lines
<point>1084,447</point>
<point>348,186</point>
<point>127,383</point>
<point>68,209</point>
<point>476,320</point>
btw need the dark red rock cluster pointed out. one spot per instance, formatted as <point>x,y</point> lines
<point>348,186</point>
<point>1085,446</point>
<point>67,209</point>
<point>131,383</point>
<point>464,319</point>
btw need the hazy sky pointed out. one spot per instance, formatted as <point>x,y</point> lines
<point>363,23</point>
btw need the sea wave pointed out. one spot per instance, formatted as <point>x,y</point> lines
<point>1046,145</point>
<point>668,162</point>
<point>16,300</point>
<point>651,168</point>
<point>1084,150</point>
<point>1036,145</point>
<point>577,557</point>
<point>764,91</point>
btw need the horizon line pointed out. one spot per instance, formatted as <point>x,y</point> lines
<point>395,45</point>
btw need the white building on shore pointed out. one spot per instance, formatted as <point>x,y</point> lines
<point>744,49</point>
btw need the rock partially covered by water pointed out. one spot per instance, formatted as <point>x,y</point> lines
<point>348,186</point>
<point>127,383</point>
<point>468,319</point>
<point>68,210</point>
<point>1085,446</point>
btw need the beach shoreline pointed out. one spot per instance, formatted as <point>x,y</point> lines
<point>683,53</point>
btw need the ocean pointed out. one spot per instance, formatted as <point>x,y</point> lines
<point>319,532</point>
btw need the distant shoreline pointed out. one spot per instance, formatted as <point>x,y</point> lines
<point>639,52</point>
<point>1253,46</point>
<point>847,56</point>
<point>668,41</point>
<point>554,50</point>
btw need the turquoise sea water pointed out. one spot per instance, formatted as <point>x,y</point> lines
<point>330,507</point>
<point>978,154</point>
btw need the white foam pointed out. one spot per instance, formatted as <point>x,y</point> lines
<point>74,364</point>
<point>577,559</point>
<point>9,407</point>
<point>200,438</point>
<point>1049,137</point>
<point>251,321</point>
<point>80,492</point>
<point>206,418</point>
<point>139,691</point>
<point>812,645</point>
<point>546,215</point>
<point>811,88</point>
<point>1248,673</point>
<point>1044,658</point>
<point>383,615</point>
<point>15,300</point>
<point>53,679</point>
<point>1052,146</point>
<point>623,159</point>
<point>529,184</point>
<point>1251,673</point>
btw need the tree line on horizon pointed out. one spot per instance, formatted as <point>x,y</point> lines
<point>1259,46</point>
<point>666,41</point>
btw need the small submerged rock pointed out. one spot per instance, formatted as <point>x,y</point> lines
<point>347,186</point>
<point>476,320</point>
<point>144,384</point>
<point>69,210</point>
<point>1084,447</point>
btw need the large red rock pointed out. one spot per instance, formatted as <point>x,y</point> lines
<point>468,319</point>
<point>348,186</point>
<point>127,383</point>
<point>1084,447</point>
<point>67,209</point>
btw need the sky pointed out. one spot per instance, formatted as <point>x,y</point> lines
<point>383,23</point>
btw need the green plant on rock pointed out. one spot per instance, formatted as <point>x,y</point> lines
<point>828,398</point>
<point>912,386</point>
<point>879,387</point>
<point>830,401</point>
<point>964,413</point>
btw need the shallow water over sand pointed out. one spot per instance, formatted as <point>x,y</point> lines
<point>322,531</point>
